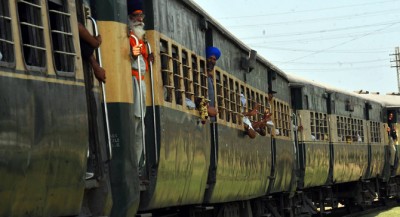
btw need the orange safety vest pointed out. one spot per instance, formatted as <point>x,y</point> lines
<point>144,54</point>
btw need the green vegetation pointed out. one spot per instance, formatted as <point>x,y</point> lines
<point>388,213</point>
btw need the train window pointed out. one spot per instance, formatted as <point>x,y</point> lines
<point>195,76</point>
<point>188,83</point>
<point>262,107</point>
<point>268,105</point>
<point>340,129</point>
<point>357,130</point>
<point>258,101</point>
<point>252,103</point>
<point>166,71</point>
<point>286,120</point>
<point>226,98</point>
<point>281,118</point>
<point>249,104</point>
<point>30,20</point>
<point>232,98</point>
<point>275,111</point>
<point>350,130</point>
<point>62,39</point>
<point>220,97</point>
<point>241,108</point>
<point>203,79</point>
<point>176,64</point>
<point>319,126</point>
<point>6,38</point>
<point>237,118</point>
<point>375,132</point>
<point>361,130</point>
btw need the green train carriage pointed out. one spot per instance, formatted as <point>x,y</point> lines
<point>44,110</point>
<point>343,146</point>
<point>190,168</point>
<point>179,149</point>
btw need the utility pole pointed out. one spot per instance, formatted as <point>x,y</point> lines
<point>397,66</point>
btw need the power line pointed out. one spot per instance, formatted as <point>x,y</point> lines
<point>303,11</point>
<point>384,12</point>
<point>293,34</point>
<point>338,62</point>
<point>381,50</point>
<point>340,44</point>
<point>318,38</point>
<point>335,69</point>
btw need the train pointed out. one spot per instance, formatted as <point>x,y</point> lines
<point>327,147</point>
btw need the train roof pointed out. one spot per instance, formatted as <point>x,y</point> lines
<point>388,100</point>
<point>391,100</point>
<point>232,37</point>
<point>299,81</point>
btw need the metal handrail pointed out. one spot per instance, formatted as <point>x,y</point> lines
<point>141,106</point>
<point>154,107</point>
<point>98,53</point>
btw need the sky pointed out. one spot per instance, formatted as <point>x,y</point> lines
<point>345,44</point>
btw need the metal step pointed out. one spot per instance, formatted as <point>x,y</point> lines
<point>91,183</point>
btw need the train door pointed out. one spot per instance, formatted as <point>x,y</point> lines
<point>213,128</point>
<point>392,133</point>
<point>297,105</point>
<point>97,177</point>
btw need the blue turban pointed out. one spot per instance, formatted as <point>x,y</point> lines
<point>135,5</point>
<point>213,51</point>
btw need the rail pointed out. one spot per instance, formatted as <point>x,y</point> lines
<point>103,89</point>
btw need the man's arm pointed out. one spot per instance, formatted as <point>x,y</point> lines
<point>212,111</point>
<point>94,41</point>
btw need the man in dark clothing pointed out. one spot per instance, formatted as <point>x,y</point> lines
<point>212,55</point>
<point>392,137</point>
<point>392,127</point>
<point>88,44</point>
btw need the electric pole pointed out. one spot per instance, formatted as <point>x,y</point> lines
<point>397,66</point>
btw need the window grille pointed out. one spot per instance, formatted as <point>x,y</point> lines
<point>187,72</point>
<point>237,117</point>
<point>232,98</point>
<point>350,129</point>
<point>375,132</point>
<point>203,79</point>
<point>282,118</point>
<point>226,98</point>
<point>319,126</point>
<point>62,38</point>
<point>31,25</point>
<point>219,94</point>
<point>195,76</point>
<point>176,63</point>
<point>6,37</point>
<point>166,70</point>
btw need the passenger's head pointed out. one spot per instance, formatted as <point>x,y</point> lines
<point>262,131</point>
<point>252,133</point>
<point>136,17</point>
<point>212,55</point>
<point>270,94</point>
<point>390,116</point>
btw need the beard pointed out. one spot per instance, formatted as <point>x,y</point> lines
<point>137,28</point>
<point>210,66</point>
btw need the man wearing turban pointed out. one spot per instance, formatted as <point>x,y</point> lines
<point>139,58</point>
<point>212,55</point>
